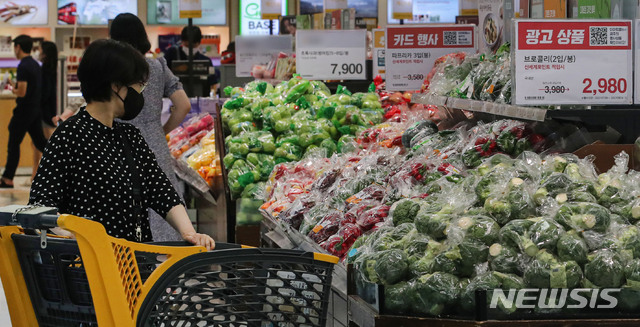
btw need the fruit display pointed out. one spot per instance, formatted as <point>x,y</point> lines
<point>195,143</point>
<point>478,77</point>
<point>296,119</point>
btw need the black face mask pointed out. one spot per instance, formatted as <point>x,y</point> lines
<point>133,103</point>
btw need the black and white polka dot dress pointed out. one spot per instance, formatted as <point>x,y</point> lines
<point>84,172</point>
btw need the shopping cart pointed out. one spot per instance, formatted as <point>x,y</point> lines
<point>97,279</point>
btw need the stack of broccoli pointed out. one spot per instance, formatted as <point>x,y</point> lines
<point>531,223</point>
<point>297,118</point>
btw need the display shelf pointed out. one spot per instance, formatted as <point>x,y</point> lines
<point>191,177</point>
<point>506,110</point>
<point>300,241</point>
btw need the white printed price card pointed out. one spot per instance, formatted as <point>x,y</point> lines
<point>412,51</point>
<point>259,50</point>
<point>572,62</point>
<point>331,55</point>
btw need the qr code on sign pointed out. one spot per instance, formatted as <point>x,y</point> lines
<point>598,36</point>
<point>450,38</point>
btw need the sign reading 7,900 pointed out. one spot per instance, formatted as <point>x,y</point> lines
<point>331,55</point>
<point>573,62</point>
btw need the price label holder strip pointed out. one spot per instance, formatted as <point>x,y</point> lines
<point>500,109</point>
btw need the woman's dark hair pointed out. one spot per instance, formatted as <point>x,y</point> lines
<point>50,61</point>
<point>196,34</point>
<point>128,28</point>
<point>25,42</point>
<point>107,62</point>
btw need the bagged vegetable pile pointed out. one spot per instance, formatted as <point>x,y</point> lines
<point>477,77</point>
<point>530,222</point>
<point>421,220</point>
<point>297,118</point>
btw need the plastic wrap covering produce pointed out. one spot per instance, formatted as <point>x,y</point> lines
<point>477,77</point>
<point>195,143</point>
<point>406,219</point>
<point>387,177</point>
<point>293,120</point>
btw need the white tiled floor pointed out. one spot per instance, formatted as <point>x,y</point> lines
<point>18,195</point>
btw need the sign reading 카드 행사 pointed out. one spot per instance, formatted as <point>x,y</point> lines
<point>411,51</point>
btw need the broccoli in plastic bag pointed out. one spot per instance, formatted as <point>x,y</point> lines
<point>432,294</point>
<point>572,247</point>
<point>503,258</point>
<point>583,215</point>
<point>604,269</point>
<point>546,271</point>
<point>391,266</point>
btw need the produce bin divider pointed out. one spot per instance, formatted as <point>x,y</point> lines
<point>230,204</point>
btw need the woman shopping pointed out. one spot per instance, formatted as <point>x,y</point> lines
<point>102,169</point>
<point>128,28</point>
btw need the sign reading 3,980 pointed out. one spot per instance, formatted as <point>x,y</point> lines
<point>573,62</point>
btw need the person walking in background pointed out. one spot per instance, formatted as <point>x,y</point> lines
<point>27,113</point>
<point>128,28</point>
<point>49,59</point>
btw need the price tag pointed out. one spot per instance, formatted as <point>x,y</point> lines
<point>190,8</point>
<point>259,50</point>
<point>270,9</point>
<point>412,51</point>
<point>331,55</point>
<point>572,62</point>
<point>378,53</point>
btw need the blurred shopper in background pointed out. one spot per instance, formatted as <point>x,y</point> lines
<point>27,113</point>
<point>162,83</point>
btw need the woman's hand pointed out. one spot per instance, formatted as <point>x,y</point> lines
<point>200,239</point>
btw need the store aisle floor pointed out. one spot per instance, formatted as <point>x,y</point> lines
<point>18,195</point>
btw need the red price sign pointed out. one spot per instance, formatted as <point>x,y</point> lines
<point>572,62</point>
<point>410,51</point>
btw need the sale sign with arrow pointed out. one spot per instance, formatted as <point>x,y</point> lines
<point>573,62</point>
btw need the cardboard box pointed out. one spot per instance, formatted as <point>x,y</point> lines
<point>605,154</point>
<point>594,9</point>
<point>555,8</point>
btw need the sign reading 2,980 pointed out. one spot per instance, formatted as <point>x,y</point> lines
<point>573,62</point>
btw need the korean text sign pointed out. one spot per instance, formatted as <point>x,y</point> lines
<point>411,51</point>
<point>572,62</point>
<point>331,54</point>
